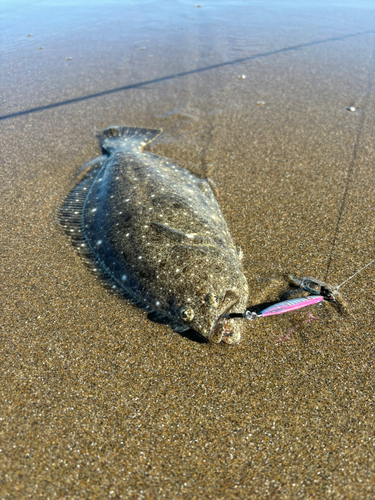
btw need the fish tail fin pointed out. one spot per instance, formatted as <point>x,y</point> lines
<point>113,138</point>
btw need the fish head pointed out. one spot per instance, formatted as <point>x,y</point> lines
<point>205,313</point>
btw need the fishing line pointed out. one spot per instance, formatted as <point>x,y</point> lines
<point>352,276</point>
<point>353,159</point>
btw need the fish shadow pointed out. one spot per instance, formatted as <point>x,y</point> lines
<point>194,336</point>
<point>190,334</point>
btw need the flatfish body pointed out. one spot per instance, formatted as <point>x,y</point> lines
<point>156,232</point>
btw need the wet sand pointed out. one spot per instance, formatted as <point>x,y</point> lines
<point>99,402</point>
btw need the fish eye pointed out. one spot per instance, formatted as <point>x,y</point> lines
<point>186,314</point>
<point>212,300</point>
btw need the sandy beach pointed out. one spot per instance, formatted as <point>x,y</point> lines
<point>96,400</point>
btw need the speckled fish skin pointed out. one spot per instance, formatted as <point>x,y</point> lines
<point>158,232</point>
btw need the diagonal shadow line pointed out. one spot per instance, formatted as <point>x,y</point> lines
<point>179,75</point>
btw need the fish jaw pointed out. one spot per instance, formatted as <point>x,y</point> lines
<point>228,330</point>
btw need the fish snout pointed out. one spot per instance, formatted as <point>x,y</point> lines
<point>231,331</point>
<point>226,330</point>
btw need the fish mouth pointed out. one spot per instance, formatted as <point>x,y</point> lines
<point>226,330</point>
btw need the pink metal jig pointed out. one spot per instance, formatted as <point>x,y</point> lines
<point>291,305</point>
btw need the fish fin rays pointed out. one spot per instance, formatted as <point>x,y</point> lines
<point>136,138</point>
<point>70,216</point>
<point>70,213</point>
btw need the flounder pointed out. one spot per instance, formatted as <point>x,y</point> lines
<point>157,234</point>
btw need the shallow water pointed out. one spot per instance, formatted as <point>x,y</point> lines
<point>97,400</point>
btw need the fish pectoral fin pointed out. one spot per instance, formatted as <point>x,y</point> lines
<point>173,234</point>
<point>181,237</point>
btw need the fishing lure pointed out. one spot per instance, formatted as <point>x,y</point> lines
<point>278,308</point>
<point>318,289</point>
